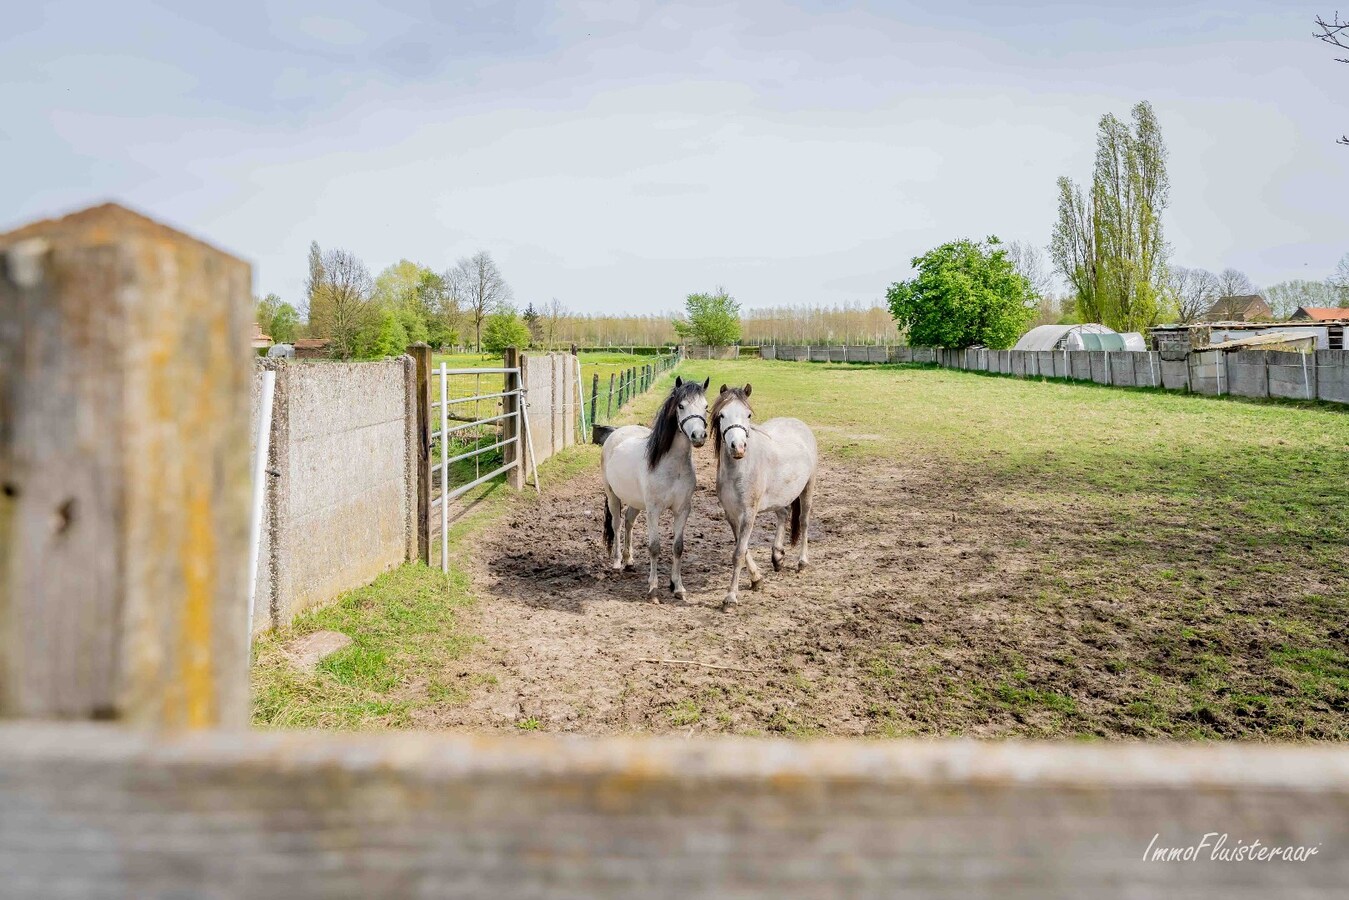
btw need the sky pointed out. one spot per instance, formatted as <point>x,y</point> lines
<point>619,155</point>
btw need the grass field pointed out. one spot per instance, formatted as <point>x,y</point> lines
<point>996,557</point>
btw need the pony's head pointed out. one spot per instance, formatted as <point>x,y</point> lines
<point>731,415</point>
<point>685,410</point>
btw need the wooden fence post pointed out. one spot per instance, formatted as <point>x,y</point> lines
<point>421,355</point>
<point>609,401</point>
<point>510,425</point>
<point>125,374</point>
<point>594,397</point>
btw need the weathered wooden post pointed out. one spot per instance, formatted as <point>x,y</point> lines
<point>609,401</point>
<point>421,355</point>
<point>124,481</point>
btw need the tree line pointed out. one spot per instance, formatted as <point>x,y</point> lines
<point>364,317</point>
<point>471,306</point>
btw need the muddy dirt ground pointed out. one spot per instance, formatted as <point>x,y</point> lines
<point>564,636</point>
<point>941,600</point>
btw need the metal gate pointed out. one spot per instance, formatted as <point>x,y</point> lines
<point>498,435</point>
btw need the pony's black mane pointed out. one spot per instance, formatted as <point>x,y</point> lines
<point>723,398</point>
<point>666,424</point>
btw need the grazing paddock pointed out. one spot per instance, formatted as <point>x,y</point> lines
<point>991,557</point>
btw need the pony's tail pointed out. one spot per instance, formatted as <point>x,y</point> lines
<point>608,527</point>
<point>796,521</point>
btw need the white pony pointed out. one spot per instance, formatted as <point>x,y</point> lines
<point>761,467</point>
<point>651,469</point>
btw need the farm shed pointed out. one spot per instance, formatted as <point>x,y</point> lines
<point>1203,335</point>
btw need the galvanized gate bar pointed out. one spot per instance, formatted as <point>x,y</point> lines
<point>442,435</point>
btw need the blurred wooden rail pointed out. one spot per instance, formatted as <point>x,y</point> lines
<point>123,460</point>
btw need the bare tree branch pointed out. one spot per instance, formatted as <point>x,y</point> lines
<point>1336,34</point>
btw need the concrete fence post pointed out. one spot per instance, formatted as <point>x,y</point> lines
<point>421,358</point>
<point>123,529</point>
<point>510,426</point>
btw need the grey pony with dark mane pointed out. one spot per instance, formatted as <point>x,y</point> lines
<point>651,469</point>
<point>762,467</point>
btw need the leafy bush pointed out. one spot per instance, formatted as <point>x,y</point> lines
<point>965,294</point>
<point>502,330</point>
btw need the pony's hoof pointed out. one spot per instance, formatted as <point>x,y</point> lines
<point>680,594</point>
<point>802,566</point>
<point>629,566</point>
<point>756,585</point>
<point>653,597</point>
<point>730,602</point>
<point>777,561</point>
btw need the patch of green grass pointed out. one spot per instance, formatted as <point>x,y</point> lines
<point>529,724</point>
<point>404,629</point>
<point>685,712</point>
<point>1183,558</point>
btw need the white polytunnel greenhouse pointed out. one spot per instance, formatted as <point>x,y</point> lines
<point>1088,336</point>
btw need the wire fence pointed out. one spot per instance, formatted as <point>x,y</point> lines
<point>602,401</point>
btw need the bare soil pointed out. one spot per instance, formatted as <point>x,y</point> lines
<point>931,606</point>
<point>564,635</point>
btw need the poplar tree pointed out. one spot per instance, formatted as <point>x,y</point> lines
<point>1108,244</point>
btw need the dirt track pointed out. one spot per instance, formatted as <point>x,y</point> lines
<point>563,634</point>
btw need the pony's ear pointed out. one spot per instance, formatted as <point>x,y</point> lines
<point>748,387</point>
<point>706,382</point>
<point>679,381</point>
<point>723,388</point>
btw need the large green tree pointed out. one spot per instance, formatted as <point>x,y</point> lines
<point>504,329</point>
<point>277,319</point>
<point>712,319</point>
<point>965,293</point>
<point>1108,243</point>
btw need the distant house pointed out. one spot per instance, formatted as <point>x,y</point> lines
<point>261,340</point>
<point>1320,314</point>
<point>1244,308</point>
<point>312,348</point>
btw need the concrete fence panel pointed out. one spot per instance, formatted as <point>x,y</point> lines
<point>1291,375</point>
<point>537,372</point>
<point>1332,375</point>
<point>1324,375</point>
<point>554,412</point>
<point>1208,372</point>
<point>341,507</point>
<point>1147,372</point>
<point>1248,374</point>
<point>1120,365</point>
<point>1175,368</point>
<point>768,351</point>
<point>1097,367</point>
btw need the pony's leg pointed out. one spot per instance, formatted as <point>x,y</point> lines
<point>780,542</point>
<point>653,550</point>
<point>804,559</point>
<point>755,576</point>
<point>681,517</point>
<point>629,516</point>
<point>743,529</point>
<point>615,513</point>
